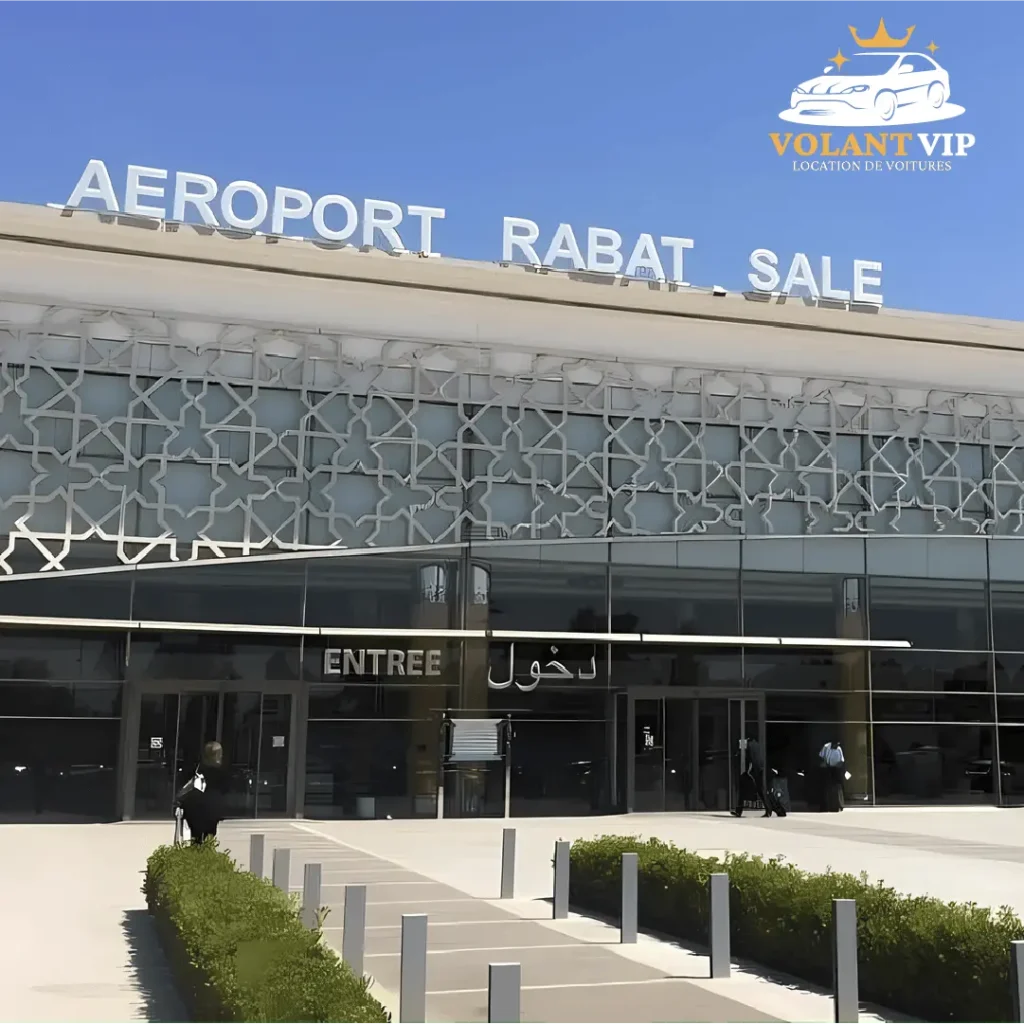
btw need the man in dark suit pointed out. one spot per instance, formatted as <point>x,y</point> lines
<point>753,775</point>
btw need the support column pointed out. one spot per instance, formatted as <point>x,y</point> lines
<point>437,589</point>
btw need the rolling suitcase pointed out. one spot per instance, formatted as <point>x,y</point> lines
<point>778,796</point>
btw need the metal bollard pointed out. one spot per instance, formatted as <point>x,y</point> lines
<point>503,986</point>
<point>508,863</point>
<point>630,893</point>
<point>310,894</point>
<point>256,846</point>
<point>560,896</point>
<point>412,995</point>
<point>844,961</point>
<point>1017,979</point>
<point>718,926</point>
<point>353,936</point>
<point>281,870</point>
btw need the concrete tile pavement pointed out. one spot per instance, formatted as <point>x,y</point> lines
<point>79,946</point>
<point>573,970</point>
<point>77,942</point>
<point>964,854</point>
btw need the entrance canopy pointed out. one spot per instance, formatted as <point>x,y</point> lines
<point>659,639</point>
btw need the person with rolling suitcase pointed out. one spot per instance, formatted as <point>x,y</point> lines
<point>754,773</point>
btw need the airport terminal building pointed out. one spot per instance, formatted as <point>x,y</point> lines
<point>420,537</point>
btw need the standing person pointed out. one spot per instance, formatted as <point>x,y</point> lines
<point>204,809</point>
<point>755,773</point>
<point>832,761</point>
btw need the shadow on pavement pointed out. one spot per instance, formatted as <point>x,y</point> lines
<point>150,970</point>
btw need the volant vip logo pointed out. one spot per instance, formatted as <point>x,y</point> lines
<point>879,83</point>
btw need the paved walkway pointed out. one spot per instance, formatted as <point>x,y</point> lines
<point>574,970</point>
<point>77,943</point>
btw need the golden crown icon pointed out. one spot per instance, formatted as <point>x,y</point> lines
<point>881,39</point>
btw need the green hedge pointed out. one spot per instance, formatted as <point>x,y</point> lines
<point>238,949</point>
<point>933,960</point>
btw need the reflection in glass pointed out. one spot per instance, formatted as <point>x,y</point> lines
<point>253,729</point>
<point>1009,671</point>
<point>932,707</point>
<point>662,600</point>
<point>649,756</point>
<point>267,593</point>
<point>930,671</point>
<point>212,656</point>
<point>548,596</point>
<point>792,748</point>
<point>1011,755</point>
<point>795,669</point>
<point>60,595</point>
<point>655,665</point>
<point>558,768</point>
<point>715,755</point>
<point>934,763</point>
<point>378,592</point>
<point>939,615</point>
<point>680,735</point>
<point>61,654</point>
<point>799,604</point>
<point>44,699</point>
<point>1008,616</point>
<point>58,769</point>
<point>360,769</point>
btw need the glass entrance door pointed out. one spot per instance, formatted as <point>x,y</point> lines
<point>252,728</point>
<point>686,751</point>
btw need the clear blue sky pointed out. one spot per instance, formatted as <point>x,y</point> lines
<point>636,116</point>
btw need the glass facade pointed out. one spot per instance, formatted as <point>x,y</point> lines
<point>333,680</point>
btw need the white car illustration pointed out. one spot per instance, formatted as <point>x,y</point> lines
<point>871,88</point>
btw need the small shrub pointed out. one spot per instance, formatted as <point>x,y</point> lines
<point>238,948</point>
<point>936,961</point>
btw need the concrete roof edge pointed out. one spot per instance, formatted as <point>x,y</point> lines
<point>191,243</point>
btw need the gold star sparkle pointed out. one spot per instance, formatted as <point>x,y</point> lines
<point>931,47</point>
<point>839,60</point>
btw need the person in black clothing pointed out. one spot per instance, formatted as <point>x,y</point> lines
<point>755,774</point>
<point>203,810</point>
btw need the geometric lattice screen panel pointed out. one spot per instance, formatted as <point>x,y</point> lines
<point>176,439</point>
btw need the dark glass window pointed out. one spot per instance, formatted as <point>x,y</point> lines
<point>1009,673</point>
<point>792,749</point>
<point>939,615</point>
<point>373,591</point>
<point>361,769</point>
<point>1011,709</point>
<point>59,654</point>
<point>933,763</point>
<point>938,671</point>
<point>932,707</point>
<point>798,604</point>
<point>58,769</point>
<point>818,707</point>
<point>214,656</point>
<point>346,700</point>
<point>259,593</point>
<point>559,767</point>
<point>651,600</point>
<point>654,665</point>
<point>769,668</point>
<point>59,595</point>
<point>546,596</point>
<point>1008,616</point>
<point>1011,755</point>
<point>43,699</point>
